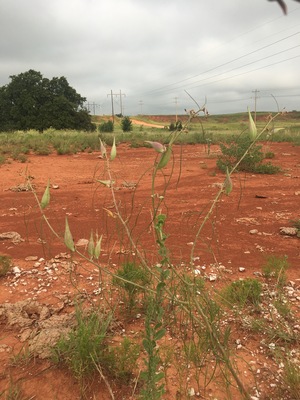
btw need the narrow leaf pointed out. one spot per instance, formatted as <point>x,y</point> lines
<point>252,127</point>
<point>113,152</point>
<point>69,242</point>
<point>158,335</point>
<point>165,158</point>
<point>46,196</point>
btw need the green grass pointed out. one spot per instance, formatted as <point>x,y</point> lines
<point>243,292</point>
<point>85,345</point>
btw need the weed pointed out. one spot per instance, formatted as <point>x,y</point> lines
<point>84,345</point>
<point>5,265</point>
<point>291,378</point>
<point>251,161</point>
<point>120,361</point>
<point>14,392</point>
<point>243,292</point>
<point>22,358</point>
<point>134,279</point>
<point>269,155</point>
<point>275,269</point>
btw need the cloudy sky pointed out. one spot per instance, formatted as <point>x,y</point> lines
<point>157,54</point>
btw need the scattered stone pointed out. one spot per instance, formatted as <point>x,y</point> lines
<point>242,269</point>
<point>55,187</point>
<point>31,258</point>
<point>15,237</point>
<point>288,231</point>
<point>212,277</point>
<point>253,231</point>
<point>16,270</point>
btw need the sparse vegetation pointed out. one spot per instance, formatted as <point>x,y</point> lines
<point>184,320</point>
<point>243,292</point>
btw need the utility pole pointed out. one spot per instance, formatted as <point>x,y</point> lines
<point>111,94</point>
<point>112,105</point>
<point>176,102</point>
<point>141,103</point>
<point>121,94</point>
<point>255,101</point>
<point>92,106</point>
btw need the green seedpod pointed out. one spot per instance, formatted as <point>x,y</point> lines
<point>97,249</point>
<point>102,149</point>
<point>228,183</point>
<point>68,238</point>
<point>252,127</point>
<point>165,158</point>
<point>113,152</point>
<point>91,245</point>
<point>46,196</point>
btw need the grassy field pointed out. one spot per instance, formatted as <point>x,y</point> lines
<point>212,129</point>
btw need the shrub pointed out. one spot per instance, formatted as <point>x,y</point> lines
<point>275,268</point>
<point>243,292</point>
<point>131,275</point>
<point>85,344</point>
<point>120,361</point>
<point>252,161</point>
<point>106,127</point>
<point>175,127</point>
<point>126,124</point>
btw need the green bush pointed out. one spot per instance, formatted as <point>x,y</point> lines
<point>120,361</point>
<point>275,268</point>
<point>126,124</point>
<point>243,292</point>
<point>132,279</point>
<point>106,127</point>
<point>84,347</point>
<point>233,151</point>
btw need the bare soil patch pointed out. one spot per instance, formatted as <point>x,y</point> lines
<point>243,230</point>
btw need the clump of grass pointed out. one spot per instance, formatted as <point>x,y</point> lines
<point>291,379</point>
<point>5,265</point>
<point>243,292</point>
<point>85,344</point>
<point>120,361</point>
<point>275,269</point>
<point>132,279</point>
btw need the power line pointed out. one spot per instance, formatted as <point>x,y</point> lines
<point>224,64</point>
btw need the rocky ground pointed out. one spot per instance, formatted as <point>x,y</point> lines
<point>37,295</point>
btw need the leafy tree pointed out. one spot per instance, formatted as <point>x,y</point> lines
<point>31,101</point>
<point>126,124</point>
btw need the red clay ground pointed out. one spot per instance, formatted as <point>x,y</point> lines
<point>259,203</point>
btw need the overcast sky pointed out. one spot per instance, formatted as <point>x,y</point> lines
<point>154,51</point>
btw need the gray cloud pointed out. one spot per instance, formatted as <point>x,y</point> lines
<point>153,51</point>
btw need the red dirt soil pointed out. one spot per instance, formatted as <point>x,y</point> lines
<point>258,203</point>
